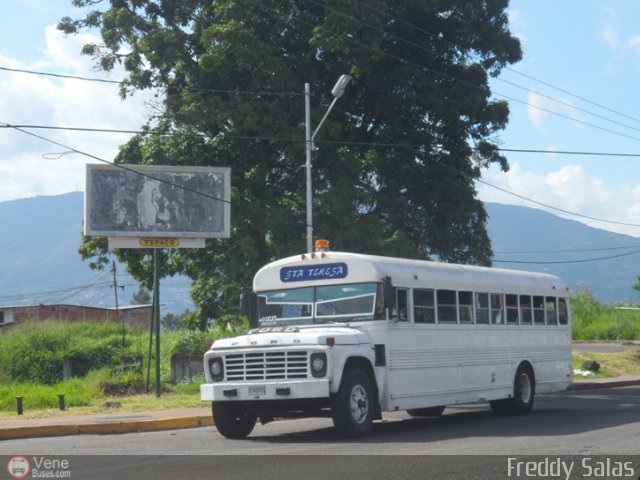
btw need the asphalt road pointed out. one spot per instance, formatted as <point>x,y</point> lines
<point>466,442</point>
<point>602,347</point>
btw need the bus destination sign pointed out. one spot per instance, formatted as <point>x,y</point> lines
<point>305,273</point>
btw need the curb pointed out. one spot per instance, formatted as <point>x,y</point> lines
<point>597,385</point>
<point>134,426</point>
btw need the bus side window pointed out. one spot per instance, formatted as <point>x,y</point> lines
<point>512,309</point>
<point>497,312</point>
<point>551,311</point>
<point>401,299</point>
<point>465,307</point>
<point>423,306</point>
<point>538,309</point>
<point>447,308</point>
<point>482,308</point>
<point>563,311</point>
<point>525,309</point>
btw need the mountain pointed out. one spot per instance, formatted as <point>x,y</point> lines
<point>39,262</point>
<point>583,256</point>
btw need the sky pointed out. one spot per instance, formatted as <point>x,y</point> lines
<point>575,90</point>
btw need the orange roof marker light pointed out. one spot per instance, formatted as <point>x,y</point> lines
<point>322,245</point>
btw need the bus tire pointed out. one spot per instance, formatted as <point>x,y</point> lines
<point>524,389</point>
<point>427,412</point>
<point>233,420</point>
<point>353,407</point>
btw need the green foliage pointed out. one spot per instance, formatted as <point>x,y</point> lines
<point>190,386</point>
<point>396,163</point>
<point>32,354</point>
<point>172,321</point>
<point>77,393</point>
<point>196,342</point>
<point>595,321</point>
<point>141,297</point>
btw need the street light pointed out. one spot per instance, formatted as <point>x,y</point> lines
<point>337,92</point>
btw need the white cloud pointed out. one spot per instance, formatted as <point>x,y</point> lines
<point>517,24</point>
<point>570,189</point>
<point>537,110</point>
<point>540,108</point>
<point>610,37</point>
<point>634,43</point>
<point>42,100</point>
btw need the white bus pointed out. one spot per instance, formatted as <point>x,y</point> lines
<point>355,335</point>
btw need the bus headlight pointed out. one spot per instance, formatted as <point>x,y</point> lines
<point>216,369</point>
<point>318,364</point>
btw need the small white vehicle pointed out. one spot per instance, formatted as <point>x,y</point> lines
<point>352,336</point>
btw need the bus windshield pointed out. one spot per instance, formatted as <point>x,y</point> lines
<point>323,304</point>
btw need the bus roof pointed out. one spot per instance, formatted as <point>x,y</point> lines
<point>342,268</point>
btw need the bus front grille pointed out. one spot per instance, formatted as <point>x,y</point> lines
<point>266,366</point>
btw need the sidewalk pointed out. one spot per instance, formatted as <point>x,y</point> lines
<point>63,423</point>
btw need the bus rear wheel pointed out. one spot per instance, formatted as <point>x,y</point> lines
<point>352,408</point>
<point>524,390</point>
<point>233,420</point>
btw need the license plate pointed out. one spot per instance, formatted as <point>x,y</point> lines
<point>256,390</point>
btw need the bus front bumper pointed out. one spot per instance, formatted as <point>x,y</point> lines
<point>243,391</point>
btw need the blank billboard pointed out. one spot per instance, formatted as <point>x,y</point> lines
<point>157,201</point>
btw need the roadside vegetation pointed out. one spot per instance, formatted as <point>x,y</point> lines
<point>595,321</point>
<point>111,367</point>
<point>105,365</point>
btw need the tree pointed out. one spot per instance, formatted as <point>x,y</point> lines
<point>141,297</point>
<point>172,321</point>
<point>636,286</point>
<point>396,162</point>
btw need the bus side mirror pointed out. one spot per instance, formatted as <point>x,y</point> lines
<point>248,307</point>
<point>388,293</point>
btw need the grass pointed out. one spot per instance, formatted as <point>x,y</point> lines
<point>129,404</point>
<point>627,362</point>
<point>32,354</point>
<point>595,321</point>
<point>604,372</point>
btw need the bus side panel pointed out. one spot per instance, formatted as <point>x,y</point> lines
<point>432,365</point>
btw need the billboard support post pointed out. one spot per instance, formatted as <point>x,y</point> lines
<point>156,312</point>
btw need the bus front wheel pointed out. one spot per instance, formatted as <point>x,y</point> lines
<point>352,408</point>
<point>233,420</point>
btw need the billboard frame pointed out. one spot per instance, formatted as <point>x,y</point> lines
<point>213,206</point>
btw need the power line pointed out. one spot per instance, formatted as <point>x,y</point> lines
<point>297,140</point>
<point>572,94</point>
<point>451,77</point>
<point>568,212</point>
<point>58,75</point>
<point>506,67</point>
<point>560,262</point>
<point>124,82</point>
<point>432,35</point>
<point>118,165</point>
<point>564,251</point>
